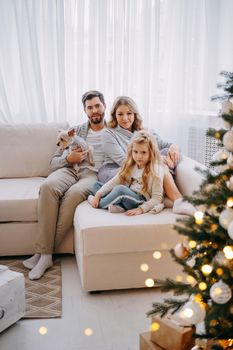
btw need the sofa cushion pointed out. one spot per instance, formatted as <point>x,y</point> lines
<point>26,149</point>
<point>188,179</point>
<point>98,232</point>
<point>18,200</point>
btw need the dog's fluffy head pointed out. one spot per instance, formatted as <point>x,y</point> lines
<point>65,138</point>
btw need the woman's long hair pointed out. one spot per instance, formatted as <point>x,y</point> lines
<point>129,102</point>
<point>141,137</point>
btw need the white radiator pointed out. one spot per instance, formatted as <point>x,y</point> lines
<point>200,146</point>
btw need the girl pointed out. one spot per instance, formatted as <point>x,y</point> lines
<point>138,186</point>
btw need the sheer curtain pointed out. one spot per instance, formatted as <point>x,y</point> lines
<point>195,44</point>
<point>165,54</point>
<point>32,61</point>
<point>53,51</point>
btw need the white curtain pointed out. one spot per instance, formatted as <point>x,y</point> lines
<point>165,54</point>
<point>195,44</point>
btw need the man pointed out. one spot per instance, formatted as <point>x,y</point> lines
<point>64,189</point>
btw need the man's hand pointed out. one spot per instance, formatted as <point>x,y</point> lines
<point>76,156</point>
<point>136,211</point>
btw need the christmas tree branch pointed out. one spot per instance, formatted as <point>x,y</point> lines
<point>169,306</point>
<point>168,285</point>
<point>189,270</point>
<point>228,118</point>
<point>218,134</point>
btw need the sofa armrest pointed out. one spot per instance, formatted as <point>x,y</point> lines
<point>187,178</point>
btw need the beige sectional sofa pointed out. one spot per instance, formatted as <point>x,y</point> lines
<point>25,154</point>
<point>109,248</point>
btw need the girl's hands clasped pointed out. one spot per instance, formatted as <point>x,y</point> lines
<point>136,211</point>
<point>95,201</point>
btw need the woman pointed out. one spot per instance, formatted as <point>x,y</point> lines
<point>125,120</point>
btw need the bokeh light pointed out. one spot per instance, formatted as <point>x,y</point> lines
<point>157,255</point>
<point>206,269</point>
<point>88,332</point>
<point>149,282</point>
<point>202,286</point>
<point>192,244</point>
<point>144,267</point>
<point>228,251</point>
<point>154,326</point>
<point>187,313</point>
<point>199,217</point>
<point>230,202</point>
<point>190,279</point>
<point>179,278</point>
<point>43,330</point>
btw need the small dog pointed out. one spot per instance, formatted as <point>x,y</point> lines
<point>69,139</point>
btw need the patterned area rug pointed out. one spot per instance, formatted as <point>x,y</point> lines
<point>43,296</point>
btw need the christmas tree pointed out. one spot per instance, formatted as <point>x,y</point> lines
<point>208,255</point>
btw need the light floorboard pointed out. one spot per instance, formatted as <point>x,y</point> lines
<point>116,318</point>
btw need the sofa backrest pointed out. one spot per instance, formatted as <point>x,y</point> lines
<point>26,149</point>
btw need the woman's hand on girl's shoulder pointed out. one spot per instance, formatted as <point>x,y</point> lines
<point>136,211</point>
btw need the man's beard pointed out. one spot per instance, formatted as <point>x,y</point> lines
<point>97,119</point>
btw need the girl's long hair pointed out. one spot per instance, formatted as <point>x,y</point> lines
<point>141,137</point>
<point>129,102</point>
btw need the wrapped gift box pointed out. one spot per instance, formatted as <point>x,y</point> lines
<point>146,343</point>
<point>226,344</point>
<point>12,297</point>
<point>208,344</point>
<point>171,336</point>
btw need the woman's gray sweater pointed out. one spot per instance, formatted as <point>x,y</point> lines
<point>115,142</point>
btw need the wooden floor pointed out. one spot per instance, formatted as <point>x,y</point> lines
<point>116,318</point>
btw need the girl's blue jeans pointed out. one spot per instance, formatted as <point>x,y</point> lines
<point>120,195</point>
